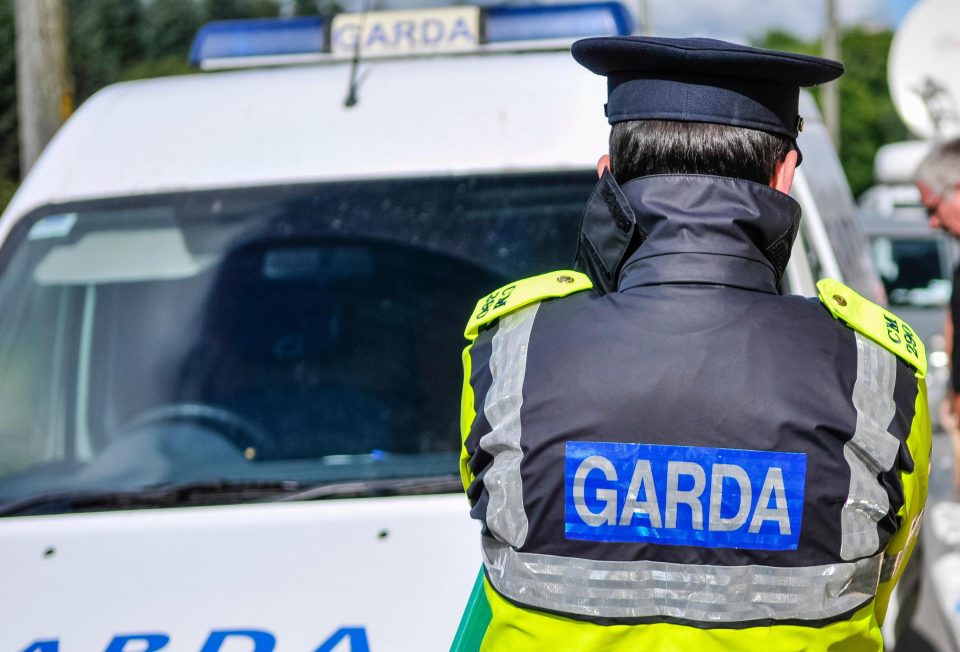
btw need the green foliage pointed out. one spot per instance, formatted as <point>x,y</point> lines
<point>232,9</point>
<point>868,118</point>
<point>9,139</point>
<point>317,7</point>
<point>305,8</point>
<point>105,37</point>
<point>169,28</point>
<point>262,8</point>
<point>780,40</point>
<point>222,9</point>
<point>7,188</point>
<point>330,7</point>
<point>172,64</point>
<point>867,115</point>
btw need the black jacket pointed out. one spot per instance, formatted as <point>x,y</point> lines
<point>694,361</point>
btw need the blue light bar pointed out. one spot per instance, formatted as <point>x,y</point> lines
<point>258,37</point>
<point>231,43</point>
<point>557,21</point>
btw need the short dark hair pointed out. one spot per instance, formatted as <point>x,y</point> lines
<point>640,148</point>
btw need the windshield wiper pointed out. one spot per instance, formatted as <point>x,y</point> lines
<point>224,492</point>
<point>435,484</point>
<point>207,492</point>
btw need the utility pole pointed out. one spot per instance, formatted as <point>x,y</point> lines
<point>830,93</point>
<point>44,96</point>
<point>645,18</point>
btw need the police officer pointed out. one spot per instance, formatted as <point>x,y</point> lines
<point>665,452</point>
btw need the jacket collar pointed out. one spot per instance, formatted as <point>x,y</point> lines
<point>707,229</point>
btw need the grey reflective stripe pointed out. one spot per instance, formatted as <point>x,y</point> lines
<point>505,516</point>
<point>872,450</point>
<point>699,593</point>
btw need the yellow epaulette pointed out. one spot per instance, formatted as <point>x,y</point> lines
<point>876,322</point>
<point>522,293</point>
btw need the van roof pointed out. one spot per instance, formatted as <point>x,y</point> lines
<point>896,163</point>
<point>415,117</point>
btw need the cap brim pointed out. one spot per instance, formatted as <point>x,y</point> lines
<point>605,55</point>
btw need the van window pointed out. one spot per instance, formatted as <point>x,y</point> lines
<point>308,333</point>
<point>912,270</point>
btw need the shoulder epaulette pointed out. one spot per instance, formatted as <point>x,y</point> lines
<point>876,322</point>
<point>522,293</point>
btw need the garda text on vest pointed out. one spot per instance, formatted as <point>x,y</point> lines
<point>684,495</point>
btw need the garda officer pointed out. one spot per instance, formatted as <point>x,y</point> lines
<point>665,452</point>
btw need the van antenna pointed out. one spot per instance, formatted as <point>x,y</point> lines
<point>355,61</point>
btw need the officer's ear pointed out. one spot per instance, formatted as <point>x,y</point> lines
<point>603,164</point>
<point>783,176</point>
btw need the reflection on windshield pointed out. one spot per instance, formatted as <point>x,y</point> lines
<point>307,333</point>
<point>828,185</point>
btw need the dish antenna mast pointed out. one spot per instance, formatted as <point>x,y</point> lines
<point>923,69</point>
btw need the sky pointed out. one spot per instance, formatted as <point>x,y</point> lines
<point>739,20</point>
<point>732,20</point>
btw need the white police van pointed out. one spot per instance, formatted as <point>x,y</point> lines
<point>241,295</point>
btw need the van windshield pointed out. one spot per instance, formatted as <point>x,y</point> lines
<point>307,333</point>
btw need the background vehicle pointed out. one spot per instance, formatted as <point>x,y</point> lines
<point>244,292</point>
<point>894,195</point>
<point>924,88</point>
<point>916,265</point>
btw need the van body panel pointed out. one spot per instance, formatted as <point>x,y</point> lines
<point>300,571</point>
<point>456,115</point>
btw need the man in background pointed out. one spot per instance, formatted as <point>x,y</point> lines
<point>937,179</point>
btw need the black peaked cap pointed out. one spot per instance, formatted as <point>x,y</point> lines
<point>703,80</point>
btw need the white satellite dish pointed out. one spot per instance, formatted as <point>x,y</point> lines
<point>924,69</point>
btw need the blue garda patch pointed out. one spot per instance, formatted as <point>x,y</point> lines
<point>684,495</point>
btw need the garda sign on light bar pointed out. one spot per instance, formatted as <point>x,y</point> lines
<point>446,29</point>
<point>684,495</point>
